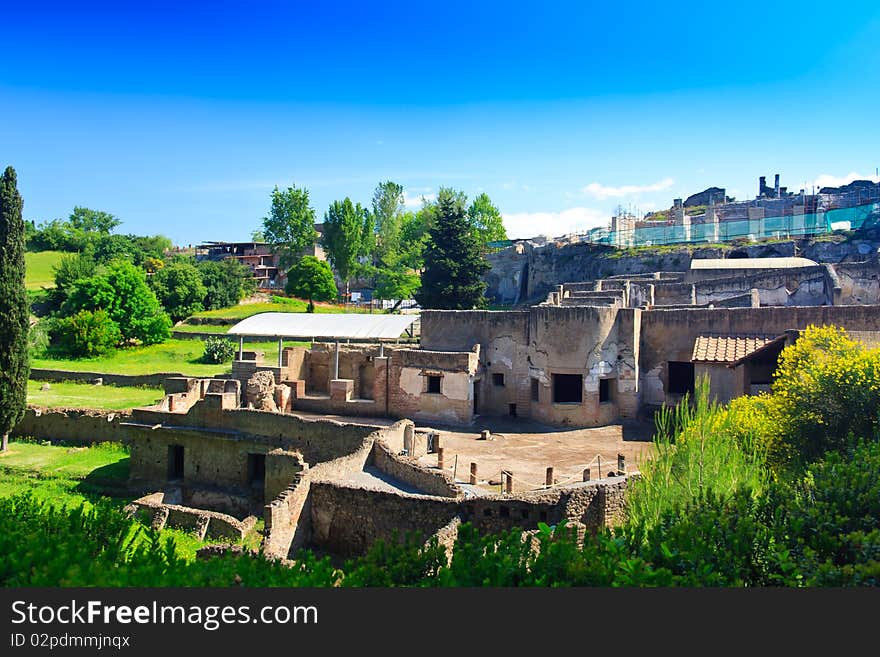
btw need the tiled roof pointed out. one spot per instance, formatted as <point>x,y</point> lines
<point>727,348</point>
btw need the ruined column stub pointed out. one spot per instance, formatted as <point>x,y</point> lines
<point>621,463</point>
<point>440,462</point>
<point>549,479</point>
<point>508,483</point>
<point>473,478</point>
<point>586,474</point>
<point>485,434</point>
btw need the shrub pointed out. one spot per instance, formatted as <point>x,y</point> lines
<point>218,350</point>
<point>86,334</point>
<point>179,289</point>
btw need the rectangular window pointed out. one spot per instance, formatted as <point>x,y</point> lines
<point>681,377</point>
<point>511,410</point>
<point>568,388</point>
<point>175,462</point>
<point>606,390</point>
<point>498,379</point>
<point>256,470</point>
<point>434,384</point>
<point>536,390</point>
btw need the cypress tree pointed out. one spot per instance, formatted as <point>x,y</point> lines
<point>454,264</point>
<point>14,366</point>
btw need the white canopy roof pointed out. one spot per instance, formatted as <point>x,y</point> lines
<point>751,263</point>
<point>355,326</point>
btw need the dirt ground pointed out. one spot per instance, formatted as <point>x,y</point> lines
<point>528,450</point>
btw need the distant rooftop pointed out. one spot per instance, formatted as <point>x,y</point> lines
<point>751,263</point>
<point>728,348</point>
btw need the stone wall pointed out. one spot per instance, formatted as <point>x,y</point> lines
<point>410,472</point>
<point>143,380</point>
<point>154,511</point>
<point>76,425</point>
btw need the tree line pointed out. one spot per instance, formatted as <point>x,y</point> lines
<point>434,254</point>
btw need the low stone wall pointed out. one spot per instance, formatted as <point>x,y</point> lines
<point>346,520</point>
<point>77,425</point>
<point>133,380</point>
<point>410,472</point>
<point>204,524</point>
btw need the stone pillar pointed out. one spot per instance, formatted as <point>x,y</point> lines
<point>408,442</point>
<point>380,382</point>
<point>586,474</point>
<point>549,478</point>
<point>473,478</point>
<point>621,463</point>
<point>336,361</point>
<point>440,460</point>
<point>508,482</point>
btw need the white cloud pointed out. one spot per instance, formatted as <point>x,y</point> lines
<point>827,180</point>
<point>416,201</point>
<point>521,225</point>
<point>602,192</point>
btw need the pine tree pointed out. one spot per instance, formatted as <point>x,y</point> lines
<point>454,265</point>
<point>14,365</point>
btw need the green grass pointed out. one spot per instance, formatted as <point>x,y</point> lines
<point>84,395</point>
<point>183,356</point>
<point>68,476</point>
<point>202,328</point>
<point>39,268</point>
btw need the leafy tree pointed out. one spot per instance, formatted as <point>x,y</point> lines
<point>290,225</point>
<point>387,217</point>
<point>454,265</point>
<point>179,289</point>
<point>345,225</point>
<point>311,279</point>
<point>226,282</point>
<point>71,268</point>
<point>14,365</point>
<point>86,334</point>
<point>137,249</point>
<point>123,292</point>
<point>93,221</point>
<point>486,221</point>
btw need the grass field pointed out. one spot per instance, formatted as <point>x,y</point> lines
<point>39,268</point>
<point>84,395</point>
<point>183,356</point>
<point>63,475</point>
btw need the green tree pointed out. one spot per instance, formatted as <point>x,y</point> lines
<point>387,217</point>
<point>71,268</point>
<point>93,221</point>
<point>14,364</point>
<point>86,334</point>
<point>123,292</point>
<point>311,279</point>
<point>345,224</point>
<point>290,225</point>
<point>226,282</point>
<point>179,289</point>
<point>486,221</point>
<point>454,266</point>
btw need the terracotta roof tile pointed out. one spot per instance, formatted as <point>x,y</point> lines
<point>727,348</point>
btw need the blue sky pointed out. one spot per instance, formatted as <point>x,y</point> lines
<point>180,117</point>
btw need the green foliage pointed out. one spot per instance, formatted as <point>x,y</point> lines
<point>387,217</point>
<point>122,291</point>
<point>290,225</point>
<point>93,221</point>
<point>179,289</point>
<point>226,283</point>
<point>311,279</point>
<point>14,307</point>
<point>826,388</point>
<point>38,337</point>
<point>218,350</point>
<point>71,268</point>
<point>697,447</point>
<point>85,334</point>
<point>345,225</point>
<point>454,265</point>
<point>486,222</point>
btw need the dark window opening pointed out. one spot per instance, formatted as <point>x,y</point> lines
<point>175,462</point>
<point>256,470</point>
<point>434,384</point>
<point>487,512</point>
<point>504,512</point>
<point>606,390</point>
<point>498,379</point>
<point>543,516</point>
<point>536,390</point>
<point>568,388</point>
<point>681,377</point>
<point>525,514</point>
<point>511,410</point>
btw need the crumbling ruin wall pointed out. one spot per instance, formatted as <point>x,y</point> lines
<point>134,380</point>
<point>76,425</point>
<point>347,520</point>
<point>859,283</point>
<point>410,472</point>
<point>669,335</point>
